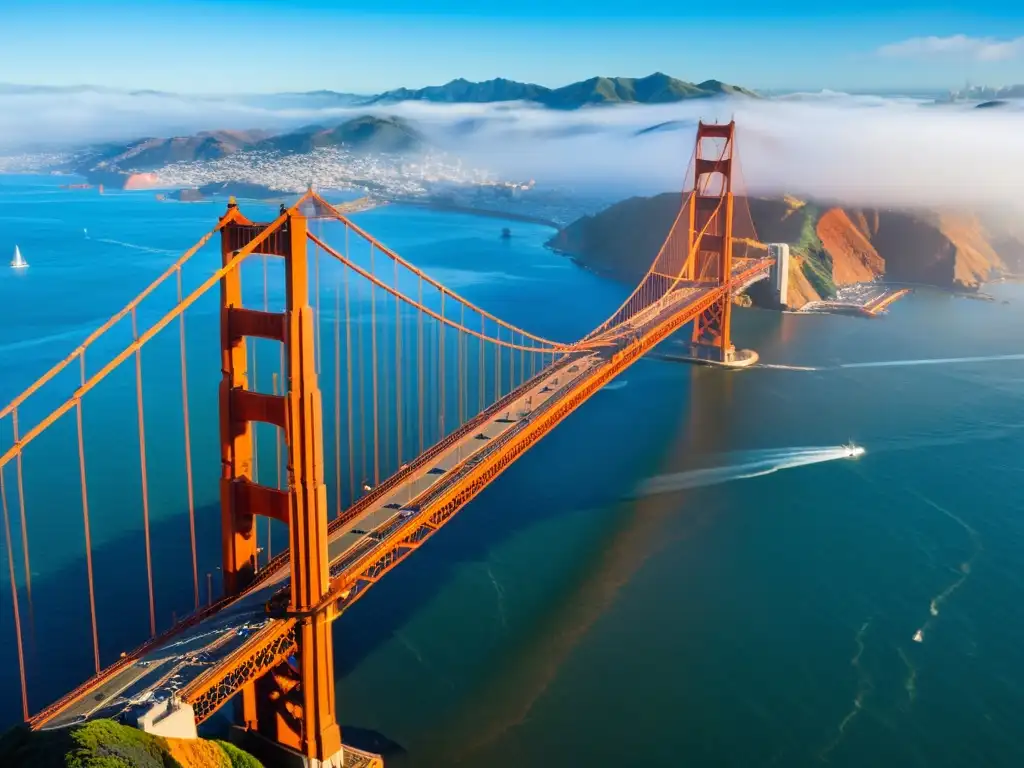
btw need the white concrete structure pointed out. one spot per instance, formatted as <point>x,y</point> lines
<point>780,271</point>
<point>171,719</point>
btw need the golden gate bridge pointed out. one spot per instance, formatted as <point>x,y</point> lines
<point>433,398</point>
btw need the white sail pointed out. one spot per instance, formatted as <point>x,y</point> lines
<point>19,261</point>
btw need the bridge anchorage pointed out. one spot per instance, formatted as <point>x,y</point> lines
<point>451,394</point>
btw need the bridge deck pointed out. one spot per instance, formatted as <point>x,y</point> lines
<point>193,659</point>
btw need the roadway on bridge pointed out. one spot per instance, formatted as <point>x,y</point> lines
<point>179,661</point>
<point>175,664</point>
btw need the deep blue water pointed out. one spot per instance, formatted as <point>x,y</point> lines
<point>750,617</point>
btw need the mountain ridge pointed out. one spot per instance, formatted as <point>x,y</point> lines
<point>656,88</point>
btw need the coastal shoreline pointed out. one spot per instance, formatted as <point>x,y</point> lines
<point>473,211</point>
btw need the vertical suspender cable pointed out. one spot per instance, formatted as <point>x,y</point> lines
<point>497,363</point>
<point>24,519</point>
<point>459,336</point>
<point>373,372</point>
<point>419,358</point>
<point>481,349</point>
<point>360,374</point>
<point>316,279</point>
<point>337,401</point>
<point>522,358</point>
<point>385,409</point>
<point>348,391</point>
<point>143,475</point>
<point>276,389</point>
<point>188,452</point>
<point>399,421</point>
<point>88,534</point>
<point>14,597</point>
<point>511,361</point>
<point>440,371</point>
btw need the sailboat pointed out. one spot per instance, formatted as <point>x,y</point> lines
<point>19,261</point>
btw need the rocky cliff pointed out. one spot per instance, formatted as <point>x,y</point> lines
<point>830,245</point>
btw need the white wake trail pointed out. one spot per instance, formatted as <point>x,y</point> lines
<point>765,462</point>
<point>780,367</point>
<point>934,361</point>
<point>135,246</point>
<point>896,363</point>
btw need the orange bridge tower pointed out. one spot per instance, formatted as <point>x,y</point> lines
<point>711,239</point>
<point>292,704</point>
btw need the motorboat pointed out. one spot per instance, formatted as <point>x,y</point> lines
<point>853,451</point>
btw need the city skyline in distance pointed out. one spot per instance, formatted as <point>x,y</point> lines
<point>206,47</point>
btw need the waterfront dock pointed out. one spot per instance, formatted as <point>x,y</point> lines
<point>862,299</point>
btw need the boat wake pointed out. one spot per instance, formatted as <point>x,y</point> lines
<point>749,464</point>
<point>615,385</point>
<point>135,246</point>
<point>787,367</point>
<point>963,572</point>
<point>934,361</point>
<point>896,363</point>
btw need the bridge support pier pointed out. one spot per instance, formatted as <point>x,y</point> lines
<point>271,752</point>
<point>710,355</point>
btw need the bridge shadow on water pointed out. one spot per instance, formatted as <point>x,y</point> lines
<point>581,465</point>
<point>596,475</point>
<point>500,702</point>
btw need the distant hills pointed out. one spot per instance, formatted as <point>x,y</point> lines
<point>658,88</point>
<point>360,134</point>
<point>366,133</point>
<point>370,133</point>
<point>155,153</point>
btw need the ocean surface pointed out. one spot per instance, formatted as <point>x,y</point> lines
<point>686,572</point>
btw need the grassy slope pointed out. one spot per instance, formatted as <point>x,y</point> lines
<point>106,744</point>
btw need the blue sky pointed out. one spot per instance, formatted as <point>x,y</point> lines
<point>274,45</point>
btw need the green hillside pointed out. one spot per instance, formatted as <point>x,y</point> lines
<point>106,744</point>
<point>366,133</point>
<point>657,88</point>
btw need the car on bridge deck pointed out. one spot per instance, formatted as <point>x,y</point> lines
<point>409,511</point>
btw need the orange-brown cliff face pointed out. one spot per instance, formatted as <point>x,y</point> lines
<point>854,258</point>
<point>932,247</point>
<point>800,290</point>
<point>830,245</point>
